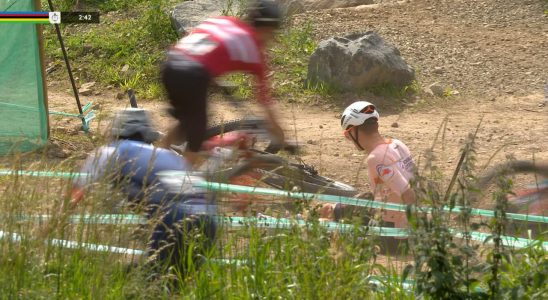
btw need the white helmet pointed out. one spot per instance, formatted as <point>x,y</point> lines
<point>357,113</point>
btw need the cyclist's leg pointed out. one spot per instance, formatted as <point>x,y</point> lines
<point>195,126</point>
<point>186,83</point>
<point>178,232</point>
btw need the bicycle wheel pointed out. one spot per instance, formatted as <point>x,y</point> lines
<point>512,167</point>
<point>301,178</point>
<point>255,127</point>
<point>277,172</point>
<point>526,198</point>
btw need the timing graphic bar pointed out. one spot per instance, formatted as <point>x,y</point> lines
<point>53,17</point>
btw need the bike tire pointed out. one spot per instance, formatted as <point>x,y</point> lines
<point>510,168</point>
<point>243,125</point>
<point>295,177</point>
<point>488,178</point>
<point>281,174</point>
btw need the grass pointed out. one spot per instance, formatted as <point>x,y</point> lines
<point>298,262</point>
<point>279,261</point>
<point>134,40</point>
<point>392,91</point>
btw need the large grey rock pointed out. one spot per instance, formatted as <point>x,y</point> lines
<point>300,6</point>
<point>358,61</point>
<point>188,14</point>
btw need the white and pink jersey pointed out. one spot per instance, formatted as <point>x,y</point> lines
<point>391,167</point>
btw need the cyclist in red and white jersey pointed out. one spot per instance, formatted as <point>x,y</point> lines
<point>216,47</point>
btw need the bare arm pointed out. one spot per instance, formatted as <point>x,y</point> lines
<point>408,197</point>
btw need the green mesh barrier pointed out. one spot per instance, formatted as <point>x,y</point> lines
<point>23,116</point>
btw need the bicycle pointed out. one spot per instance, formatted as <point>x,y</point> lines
<point>530,199</point>
<point>237,141</point>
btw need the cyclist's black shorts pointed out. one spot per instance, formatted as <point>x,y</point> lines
<point>186,82</point>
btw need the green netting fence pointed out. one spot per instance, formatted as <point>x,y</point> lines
<point>23,114</point>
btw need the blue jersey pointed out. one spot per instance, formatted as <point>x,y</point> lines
<point>137,161</point>
<point>138,168</point>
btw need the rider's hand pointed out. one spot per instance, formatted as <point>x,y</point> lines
<point>291,147</point>
<point>365,195</point>
<point>275,129</point>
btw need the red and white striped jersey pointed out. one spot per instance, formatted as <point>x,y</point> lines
<point>224,45</point>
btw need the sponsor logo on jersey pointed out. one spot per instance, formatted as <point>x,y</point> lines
<point>385,172</point>
<point>407,164</point>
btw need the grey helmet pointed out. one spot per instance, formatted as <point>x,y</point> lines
<point>134,124</point>
<point>264,13</point>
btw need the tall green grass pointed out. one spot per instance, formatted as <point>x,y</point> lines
<point>299,263</point>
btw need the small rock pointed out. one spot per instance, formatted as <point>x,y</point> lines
<point>55,151</point>
<point>120,95</point>
<point>438,70</point>
<point>321,127</point>
<point>84,92</point>
<point>336,154</point>
<point>97,93</point>
<point>455,93</point>
<point>395,125</point>
<point>88,85</point>
<point>80,155</point>
<point>437,89</point>
<point>86,48</point>
<point>85,89</point>
<point>311,142</point>
<point>125,68</point>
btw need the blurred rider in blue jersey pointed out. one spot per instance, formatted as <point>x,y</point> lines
<point>141,171</point>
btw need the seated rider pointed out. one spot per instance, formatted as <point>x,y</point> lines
<point>389,161</point>
<point>136,166</point>
<point>217,47</point>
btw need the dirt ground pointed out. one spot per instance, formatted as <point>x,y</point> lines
<point>494,52</point>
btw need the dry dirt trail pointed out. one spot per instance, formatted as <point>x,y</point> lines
<point>480,47</point>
